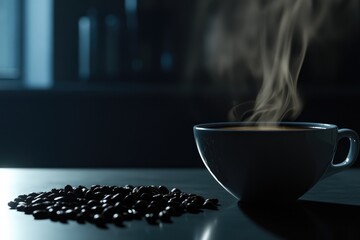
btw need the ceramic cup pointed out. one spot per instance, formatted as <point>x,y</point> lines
<point>276,162</point>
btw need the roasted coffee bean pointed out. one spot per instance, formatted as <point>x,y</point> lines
<point>152,209</point>
<point>68,188</point>
<point>89,194</point>
<point>117,219</point>
<point>40,214</point>
<point>98,196</point>
<point>127,216</point>
<point>146,196</point>
<point>71,197</point>
<point>79,192</point>
<point>21,207</point>
<point>151,218</point>
<point>41,195</point>
<point>129,200</point>
<point>209,205</point>
<point>192,208</point>
<point>81,201</point>
<point>157,197</point>
<point>117,197</point>
<point>38,206</point>
<point>109,212</point>
<point>60,215</point>
<point>135,214</point>
<point>29,199</point>
<point>102,204</point>
<point>128,186</point>
<point>96,209</point>
<point>12,204</point>
<point>119,207</point>
<point>99,219</point>
<point>164,216</point>
<point>105,189</point>
<point>93,203</point>
<point>140,205</point>
<point>70,214</point>
<point>80,218</point>
<point>163,189</point>
<point>51,213</point>
<point>213,200</point>
<point>175,190</point>
<point>22,197</point>
<point>105,205</point>
<point>108,197</point>
<point>162,203</point>
<point>93,187</point>
<point>60,199</point>
<point>37,200</point>
<point>171,210</point>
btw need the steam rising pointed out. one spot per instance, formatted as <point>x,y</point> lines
<point>269,39</point>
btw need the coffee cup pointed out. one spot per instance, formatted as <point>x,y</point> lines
<point>277,161</point>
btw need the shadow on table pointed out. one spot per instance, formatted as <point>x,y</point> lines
<point>307,219</point>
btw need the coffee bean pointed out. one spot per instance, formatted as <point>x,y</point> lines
<point>68,188</point>
<point>60,215</point>
<point>117,197</point>
<point>60,199</point>
<point>93,203</point>
<point>209,205</point>
<point>98,196</point>
<point>140,205</point>
<point>134,214</point>
<point>175,190</point>
<point>152,209</point>
<point>129,200</point>
<point>29,199</point>
<point>40,214</point>
<point>70,214</point>
<point>131,187</point>
<point>127,216</point>
<point>151,218</point>
<point>109,212</point>
<point>71,197</point>
<point>80,218</point>
<point>99,220</point>
<point>21,207</point>
<point>163,189</point>
<point>171,210</point>
<point>119,207</point>
<point>12,204</point>
<point>156,197</point>
<point>102,204</point>
<point>192,208</point>
<point>37,200</point>
<point>117,219</point>
<point>164,216</point>
<point>146,196</point>
<point>213,200</point>
<point>41,195</point>
<point>96,209</point>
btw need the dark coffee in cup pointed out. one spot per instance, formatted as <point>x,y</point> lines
<point>272,161</point>
<point>266,128</point>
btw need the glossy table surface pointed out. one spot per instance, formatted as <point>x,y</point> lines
<point>331,210</point>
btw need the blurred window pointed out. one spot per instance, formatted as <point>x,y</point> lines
<point>9,39</point>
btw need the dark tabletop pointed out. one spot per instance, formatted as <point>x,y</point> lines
<point>331,210</point>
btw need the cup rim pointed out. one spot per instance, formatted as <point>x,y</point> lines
<point>218,126</point>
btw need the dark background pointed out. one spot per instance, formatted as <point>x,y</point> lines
<point>143,116</point>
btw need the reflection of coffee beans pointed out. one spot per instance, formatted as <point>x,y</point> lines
<point>111,204</point>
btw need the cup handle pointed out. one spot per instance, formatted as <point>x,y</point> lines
<point>352,154</point>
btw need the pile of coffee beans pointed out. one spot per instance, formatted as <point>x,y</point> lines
<point>111,204</point>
